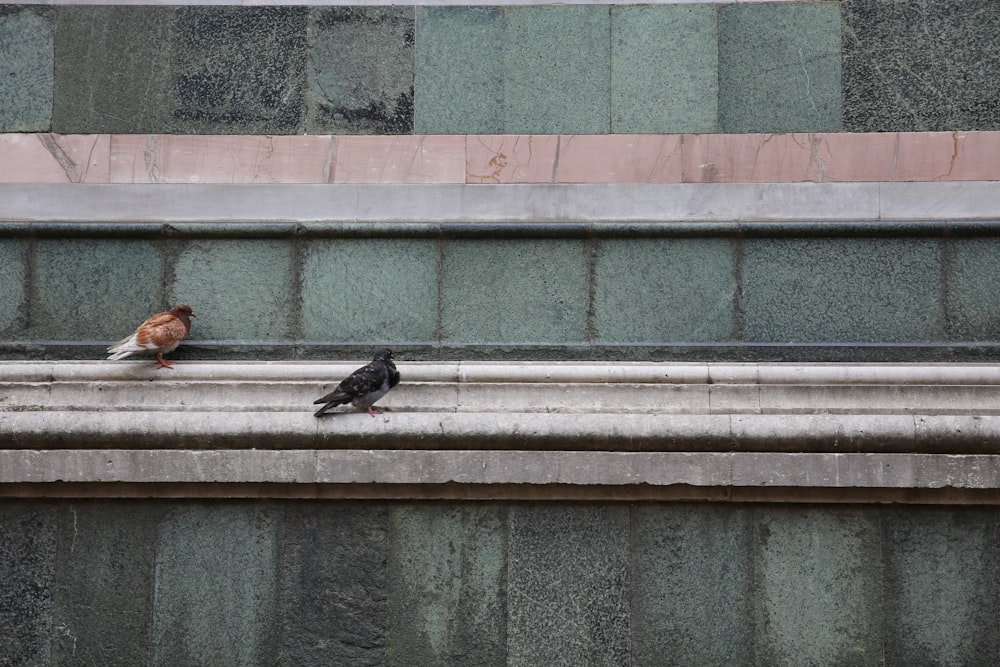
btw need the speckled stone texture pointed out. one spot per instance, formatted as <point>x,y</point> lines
<point>332,585</point>
<point>568,587</point>
<point>859,289</point>
<point>238,70</point>
<point>361,70</point>
<point>103,599</point>
<point>25,69</point>
<point>456,583</point>
<point>691,589</point>
<point>112,70</point>
<point>242,288</point>
<point>694,280</point>
<point>556,74</point>
<point>920,66</point>
<point>382,290</point>
<point>779,67</point>
<point>448,575</point>
<point>459,70</point>
<point>13,288</point>
<point>27,567</point>
<point>941,588</point>
<point>817,587</point>
<point>93,288</point>
<point>664,69</point>
<point>517,291</point>
<point>215,586</point>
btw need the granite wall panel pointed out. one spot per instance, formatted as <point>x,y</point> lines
<point>25,69</point>
<point>448,575</point>
<point>457,583</point>
<point>856,65</point>
<point>238,70</point>
<point>361,70</point>
<point>920,66</point>
<point>779,67</point>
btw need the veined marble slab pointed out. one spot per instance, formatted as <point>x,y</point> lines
<point>501,159</point>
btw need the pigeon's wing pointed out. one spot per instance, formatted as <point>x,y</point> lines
<point>363,381</point>
<point>161,331</point>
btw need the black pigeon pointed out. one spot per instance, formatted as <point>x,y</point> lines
<point>364,386</point>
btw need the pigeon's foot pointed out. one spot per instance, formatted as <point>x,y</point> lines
<point>162,363</point>
<point>372,411</point>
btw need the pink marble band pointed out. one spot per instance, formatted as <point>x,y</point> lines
<point>475,159</point>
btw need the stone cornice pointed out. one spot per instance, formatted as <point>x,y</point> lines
<point>505,430</point>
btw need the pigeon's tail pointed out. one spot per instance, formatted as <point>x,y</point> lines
<point>330,404</point>
<point>124,348</point>
<point>332,400</point>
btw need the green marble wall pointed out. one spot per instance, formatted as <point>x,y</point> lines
<point>451,583</point>
<point>853,65</point>
<point>854,291</point>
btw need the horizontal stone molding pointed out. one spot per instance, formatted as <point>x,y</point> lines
<point>615,203</point>
<point>503,426</point>
<point>819,157</point>
<point>736,471</point>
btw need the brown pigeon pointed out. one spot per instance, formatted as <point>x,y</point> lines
<point>364,386</point>
<point>158,335</point>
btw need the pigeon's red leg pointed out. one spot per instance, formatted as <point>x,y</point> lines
<point>161,362</point>
<point>372,411</point>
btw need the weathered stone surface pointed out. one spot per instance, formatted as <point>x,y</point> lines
<point>568,587</point>
<point>104,591</point>
<point>817,587</point>
<point>239,70</point>
<point>941,590</point>
<point>215,586</point>
<point>112,69</point>
<point>26,69</point>
<point>27,568</point>
<point>332,588</point>
<point>920,65</point>
<point>361,70</point>
<point>447,581</point>
<point>691,576</point>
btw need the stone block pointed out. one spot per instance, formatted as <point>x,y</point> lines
<point>519,291</point>
<point>941,590</point>
<point>240,290</point>
<point>104,582</point>
<point>568,585</point>
<point>664,69</point>
<point>361,70</point>
<point>920,66</point>
<point>971,276</point>
<point>447,577</point>
<point>654,290</point>
<point>93,288</point>
<point>817,591</point>
<point>27,569</point>
<point>332,585</point>
<point>26,69</point>
<point>839,290</point>
<point>13,288</point>
<point>459,70</point>
<point>556,70</point>
<point>112,69</point>
<point>238,70</point>
<point>215,586</point>
<point>370,291</point>
<point>779,67</point>
<point>691,580</point>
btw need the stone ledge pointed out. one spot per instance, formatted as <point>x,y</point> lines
<point>445,203</point>
<point>492,468</point>
<point>494,429</point>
